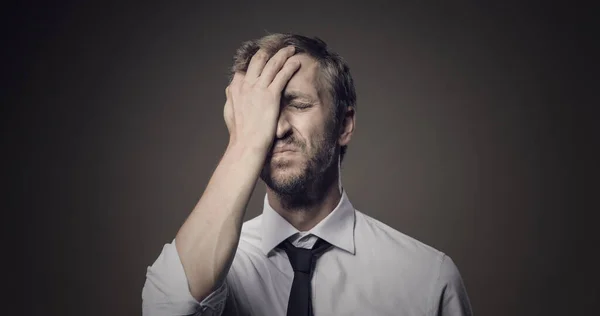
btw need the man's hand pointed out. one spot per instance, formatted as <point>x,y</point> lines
<point>253,99</point>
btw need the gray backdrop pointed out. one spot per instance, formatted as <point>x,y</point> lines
<point>474,135</point>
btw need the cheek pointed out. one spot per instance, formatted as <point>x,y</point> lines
<point>319,141</point>
<point>312,130</point>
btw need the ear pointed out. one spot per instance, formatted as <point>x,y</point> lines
<point>347,126</point>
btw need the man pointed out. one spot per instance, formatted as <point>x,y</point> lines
<point>290,112</point>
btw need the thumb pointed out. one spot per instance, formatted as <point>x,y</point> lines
<point>228,111</point>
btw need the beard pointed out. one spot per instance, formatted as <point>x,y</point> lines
<point>295,178</point>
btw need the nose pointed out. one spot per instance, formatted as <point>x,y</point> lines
<point>283,126</point>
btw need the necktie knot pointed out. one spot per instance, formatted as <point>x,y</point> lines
<point>303,260</point>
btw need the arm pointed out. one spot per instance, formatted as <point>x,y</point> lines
<point>451,295</point>
<point>207,241</point>
<point>204,247</point>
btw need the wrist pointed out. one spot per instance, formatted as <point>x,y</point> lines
<point>247,152</point>
<point>245,147</point>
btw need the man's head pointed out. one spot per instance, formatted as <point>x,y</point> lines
<point>317,111</point>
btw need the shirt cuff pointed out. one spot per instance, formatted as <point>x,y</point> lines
<point>214,304</point>
<point>166,291</point>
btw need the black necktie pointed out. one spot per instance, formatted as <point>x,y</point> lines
<point>303,262</point>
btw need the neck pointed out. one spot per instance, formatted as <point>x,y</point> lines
<point>304,211</point>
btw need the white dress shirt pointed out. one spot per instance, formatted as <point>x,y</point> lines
<point>372,269</point>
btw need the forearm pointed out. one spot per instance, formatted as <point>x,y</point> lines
<point>208,239</point>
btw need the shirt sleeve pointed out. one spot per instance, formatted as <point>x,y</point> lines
<point>450,294</point>
<point>166,290</point>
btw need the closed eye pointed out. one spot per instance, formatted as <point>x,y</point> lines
<point>301,106</point>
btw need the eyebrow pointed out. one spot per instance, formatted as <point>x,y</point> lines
<point>291,95</point>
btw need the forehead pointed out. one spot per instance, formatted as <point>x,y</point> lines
<point>305,79</point>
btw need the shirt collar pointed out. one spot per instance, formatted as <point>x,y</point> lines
<point>337,228</point>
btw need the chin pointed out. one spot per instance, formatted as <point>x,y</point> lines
<point>285,180</point>
<point>283,176</point>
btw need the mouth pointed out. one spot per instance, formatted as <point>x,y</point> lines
<point>283,152</point>
<point>283,149</point>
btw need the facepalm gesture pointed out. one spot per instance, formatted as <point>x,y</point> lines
<point>253,99</point>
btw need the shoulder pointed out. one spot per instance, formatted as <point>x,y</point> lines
<point>410,265</point>
<point>375,232</point>
<point>250,236</point>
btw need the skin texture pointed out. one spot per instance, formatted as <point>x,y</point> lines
<point>258,121</point>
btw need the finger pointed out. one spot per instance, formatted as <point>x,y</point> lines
<point>257,63</point>
<point>228,108</point>
<point>228,98</point>
<point>238,77</point>
<point>284,76</point>
<point>274,65</point>
<point>228,92</point>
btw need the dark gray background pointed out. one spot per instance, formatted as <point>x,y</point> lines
<point>474,135</point>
